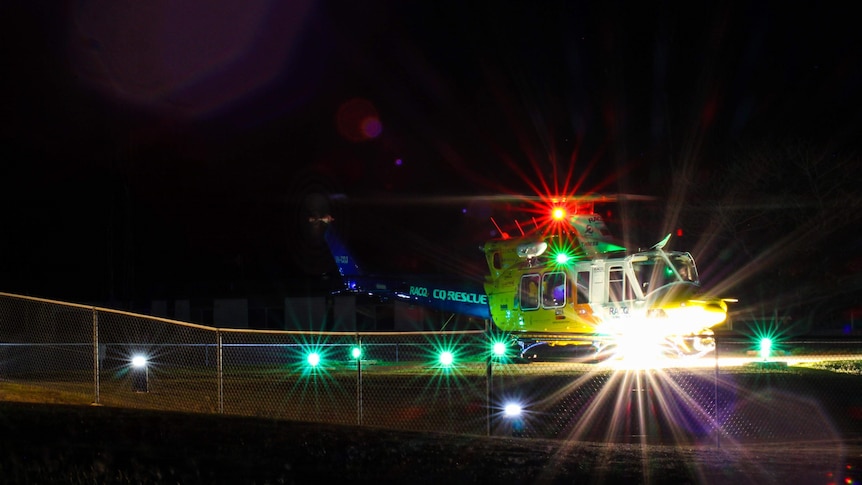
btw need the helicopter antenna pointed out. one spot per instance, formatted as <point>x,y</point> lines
<point>661,244</point>
<point>520,228</point>
<point>502,234</point>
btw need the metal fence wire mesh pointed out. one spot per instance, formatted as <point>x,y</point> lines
<point>426,381</point>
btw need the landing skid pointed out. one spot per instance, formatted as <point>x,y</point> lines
<point>691,346</point>
<point>687,347</point>
<point>536,351</point>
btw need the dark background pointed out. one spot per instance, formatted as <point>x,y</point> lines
<point>177,149</point>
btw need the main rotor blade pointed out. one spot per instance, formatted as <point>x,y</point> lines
<point>402,199</point>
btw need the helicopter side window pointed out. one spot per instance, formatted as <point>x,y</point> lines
<point>554,290</point>
<point>497,262</point>
<point>617,288</point>
<point>583,286</point>
<point>529,291</point>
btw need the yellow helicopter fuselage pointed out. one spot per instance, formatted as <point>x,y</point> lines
<point>582,299</point>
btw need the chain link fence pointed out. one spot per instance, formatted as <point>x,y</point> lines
<point>427,381</point>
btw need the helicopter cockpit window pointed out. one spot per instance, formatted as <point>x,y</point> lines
<point>529,291</point>
<point>685,267</point>
<point>554,289</point>
<point>655,272</point>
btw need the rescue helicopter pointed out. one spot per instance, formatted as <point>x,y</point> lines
<point>564,281</point>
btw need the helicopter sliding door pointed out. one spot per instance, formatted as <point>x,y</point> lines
<point>619,287</point>
<point>542,298</point>
<point>548,290</point>
<point>617,296</point>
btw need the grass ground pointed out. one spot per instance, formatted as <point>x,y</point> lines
<point>79,444</point>
<point>55,436</point>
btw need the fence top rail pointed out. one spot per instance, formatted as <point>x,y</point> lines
<point>45,300</point>
<point>108,310</point>
<point>345,333</point>
<point>799,340</point>
<point>238,330</point>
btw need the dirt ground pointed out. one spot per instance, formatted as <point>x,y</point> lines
<point>91,444</point>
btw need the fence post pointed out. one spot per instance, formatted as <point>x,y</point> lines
<point>219,372</point>
<point>96,370</point>
<point>489,384</point>
<point>490,394</point>
<point>715,397</point>
<point>359,381</point>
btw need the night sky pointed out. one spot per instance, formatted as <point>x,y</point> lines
<point>175,149</point>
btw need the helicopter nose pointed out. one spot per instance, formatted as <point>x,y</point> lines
<point>714,312</point>
<point>690,316</point>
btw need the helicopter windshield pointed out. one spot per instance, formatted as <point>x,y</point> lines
<point>657,270</point>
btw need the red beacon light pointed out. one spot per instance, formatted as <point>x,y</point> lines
<point>558,213</point>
